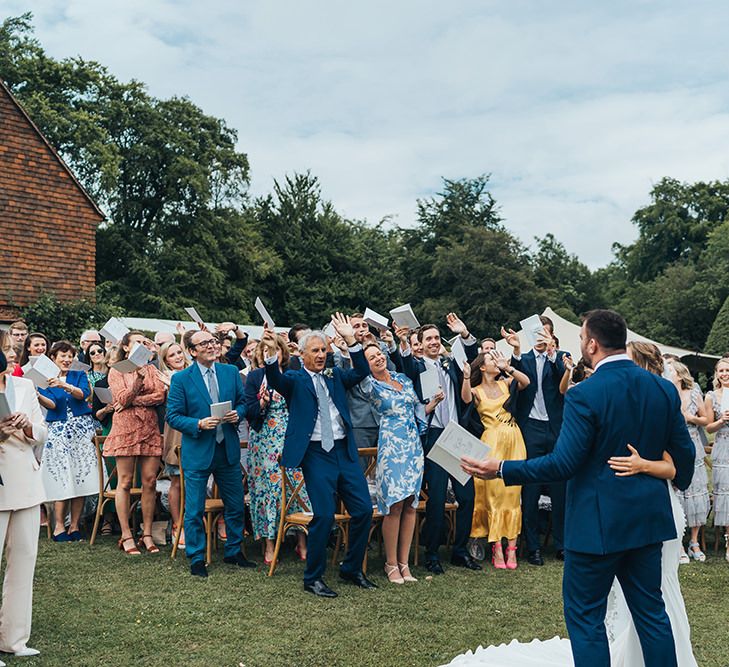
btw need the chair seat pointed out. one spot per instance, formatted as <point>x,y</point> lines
<point>111,493</point>
<point>213,504</point>
<point>304,518</point>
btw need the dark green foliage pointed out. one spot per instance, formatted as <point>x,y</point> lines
<point>718,340</point>
<point>67,320</point>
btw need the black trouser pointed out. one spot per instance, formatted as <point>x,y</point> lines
<point>436,479</point>
<point>539,439</point>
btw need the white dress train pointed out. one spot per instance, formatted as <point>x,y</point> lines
<point>624,644</point>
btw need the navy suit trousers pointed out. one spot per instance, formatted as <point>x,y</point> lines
<point>327,474</point>
<point>436,479</point>
<point>229,479</point>
<point>585,587</point>
<point>540,440</point>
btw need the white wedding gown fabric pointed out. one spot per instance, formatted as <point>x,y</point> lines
<point>624,644</point>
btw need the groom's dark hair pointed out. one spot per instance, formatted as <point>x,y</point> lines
<point>607,327</point>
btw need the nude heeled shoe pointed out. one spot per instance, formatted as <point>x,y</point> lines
<point>405,572</point>
<point>393,574</point>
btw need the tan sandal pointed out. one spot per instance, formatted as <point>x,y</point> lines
<point>393,574</point>
<point>405,572</point>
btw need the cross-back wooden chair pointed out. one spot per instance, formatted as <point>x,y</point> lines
<point>213,509</point>
<point>290,495</point>
<point>107,494</point>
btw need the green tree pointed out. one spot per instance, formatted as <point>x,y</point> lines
<point>570,288</point>
<point>718,339</point>
<point>59,320</point>
<point>674,227</point>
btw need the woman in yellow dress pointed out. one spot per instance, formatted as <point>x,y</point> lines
<point>491,383</point>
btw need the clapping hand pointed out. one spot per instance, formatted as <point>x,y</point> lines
<point>485,469</point>
<point>344,328</point>
<point>456,325</point>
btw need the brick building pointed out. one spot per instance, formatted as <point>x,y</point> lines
<point>47,220</point>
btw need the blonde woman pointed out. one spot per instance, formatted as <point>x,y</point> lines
<point>694,500</point>
<point>718,414</point>
<point>172,359</point>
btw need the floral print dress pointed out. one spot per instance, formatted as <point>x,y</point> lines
<point>400,462</point>
<point>264,474</point>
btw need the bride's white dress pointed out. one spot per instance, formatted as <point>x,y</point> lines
<point>624,644</point>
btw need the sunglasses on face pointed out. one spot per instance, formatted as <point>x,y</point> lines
<point>94,352</point>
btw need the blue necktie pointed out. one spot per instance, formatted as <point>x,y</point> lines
<point>215,397</point>
<point>325,418</point>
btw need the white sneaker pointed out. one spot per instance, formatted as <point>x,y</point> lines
<point>684,559</point>
<point>26,652</point>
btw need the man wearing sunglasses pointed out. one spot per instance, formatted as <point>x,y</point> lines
<point>210,446</point>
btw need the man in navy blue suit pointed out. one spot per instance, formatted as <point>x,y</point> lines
<point>539,415</point>
<point>320,439</point>
<point>210,446</point>
<point>449,407</point>
<point>615,526</point>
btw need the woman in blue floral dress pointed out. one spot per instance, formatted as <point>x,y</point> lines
<point>399,473</point>
<point>268,418</point>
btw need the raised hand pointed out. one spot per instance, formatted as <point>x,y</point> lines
<point>456,325</point>
<point>340,344</point>
<point>403,334</point>
<point>467,371</point>
<point>343,327</point>
<point>387,337</point>
<point>225,327</point>
<point>511,337</point>
<point>545,338</point>
<point>180,329</point>
<point>502,363</point>
<point>268,340</point>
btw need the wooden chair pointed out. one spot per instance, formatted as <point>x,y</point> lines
<point>107,494</point>
<point>213,509</point>
<point>370,454</point>
<point>290,494</point>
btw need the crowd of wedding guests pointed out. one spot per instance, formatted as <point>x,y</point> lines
<point>152,424</point>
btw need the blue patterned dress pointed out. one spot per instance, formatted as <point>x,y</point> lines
<point>264,475</point>
<point>399,473</point>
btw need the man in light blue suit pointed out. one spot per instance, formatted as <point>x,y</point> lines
<point>210,446</point>
<point>320,439</point>
<point>614,526</point>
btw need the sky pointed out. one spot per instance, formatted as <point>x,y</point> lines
<point>576,108</point>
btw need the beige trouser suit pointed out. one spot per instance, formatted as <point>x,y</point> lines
<point>21,493</point>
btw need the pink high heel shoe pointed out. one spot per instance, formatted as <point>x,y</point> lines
<point>511,565</point>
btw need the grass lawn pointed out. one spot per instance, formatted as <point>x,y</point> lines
<point>96,606</point>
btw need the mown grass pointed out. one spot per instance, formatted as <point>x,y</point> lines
<point>96,606</point>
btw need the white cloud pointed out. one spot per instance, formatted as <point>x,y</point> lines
<point>576,109</point>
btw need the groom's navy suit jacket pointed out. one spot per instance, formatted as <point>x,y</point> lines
<point>619,404</point>
<point>298,390</point>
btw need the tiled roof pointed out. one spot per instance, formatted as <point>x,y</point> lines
<point>47,220</point>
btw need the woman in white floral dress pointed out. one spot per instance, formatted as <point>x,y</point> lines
<point>399,473</point>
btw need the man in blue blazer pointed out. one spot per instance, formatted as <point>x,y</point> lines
<point>615,526</point>
<point>320,439</point>
<point>539,415</point>
<point>449,407</point>
<point>210,446</point>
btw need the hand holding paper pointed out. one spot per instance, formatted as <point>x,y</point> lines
<point>454,446</point>
<point>485,469</point>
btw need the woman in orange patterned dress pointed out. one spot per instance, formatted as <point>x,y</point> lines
<point>135,436</point>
